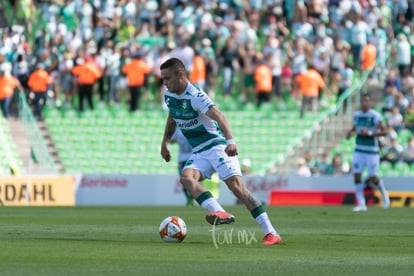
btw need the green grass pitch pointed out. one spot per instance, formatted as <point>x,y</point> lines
<point>125,241</point>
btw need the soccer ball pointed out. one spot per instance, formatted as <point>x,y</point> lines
<point>173,229</point>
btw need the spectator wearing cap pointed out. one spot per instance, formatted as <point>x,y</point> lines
<point>38,83</point>
<point>135,71</point>
<point>87,74</point>
<point>7,85</point>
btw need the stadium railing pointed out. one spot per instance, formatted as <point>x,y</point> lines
<point>331,122</point>
<point>39,151</point>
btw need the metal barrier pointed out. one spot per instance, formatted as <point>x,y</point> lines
<point>39,150</point>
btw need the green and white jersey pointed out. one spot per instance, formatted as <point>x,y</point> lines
<point>188,110</point>
<point>370,121</point>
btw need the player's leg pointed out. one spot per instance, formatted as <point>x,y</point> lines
<point>236,185</point>
<point>357,167</point>
<point>375,181</point>
<point>228,169</point>
<point>197,168</point>
<point>186,192</point>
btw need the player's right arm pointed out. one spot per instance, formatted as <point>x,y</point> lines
<point>170,127</point>
<point>350,132</point>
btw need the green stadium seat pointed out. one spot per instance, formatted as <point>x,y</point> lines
<point>403,135</point>
<point>385,168</point>
<point>402,169</point>
<point>112,140</point>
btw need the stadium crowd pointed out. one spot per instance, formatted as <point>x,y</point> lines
<point>277,50</point>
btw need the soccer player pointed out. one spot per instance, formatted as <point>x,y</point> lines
<point>214,149</point>
<point>368,126</point>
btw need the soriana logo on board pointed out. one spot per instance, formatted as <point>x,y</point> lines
<point>37,191</point>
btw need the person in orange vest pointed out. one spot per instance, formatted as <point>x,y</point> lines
<point>198,74</point>
<point>87,74</point>
<point>135,71</point>
<point>263,79</point>
<point>369,56</point>
<point>309,83</point>
<point>7,85</point>
<point>38,83</point>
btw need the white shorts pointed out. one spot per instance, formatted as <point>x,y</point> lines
<point>214,160</point>
<point>364,160</point>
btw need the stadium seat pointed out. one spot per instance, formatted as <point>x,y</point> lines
<point>403,135</point>
<point>131,141</point>
<point>402,169</point>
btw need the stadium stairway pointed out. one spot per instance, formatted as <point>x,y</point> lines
<point>23,145</point>
<point>333,144</point>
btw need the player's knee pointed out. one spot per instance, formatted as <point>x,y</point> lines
<point>186,180</point>
<point>235,185</point>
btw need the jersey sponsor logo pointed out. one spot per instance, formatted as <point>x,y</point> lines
<point>187,124</point>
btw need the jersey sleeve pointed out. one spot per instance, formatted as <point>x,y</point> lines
<point>202,102</point>
<point>355,118</point>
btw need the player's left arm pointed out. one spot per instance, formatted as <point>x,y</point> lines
<point>215,114</point>
<point>381,130</point>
